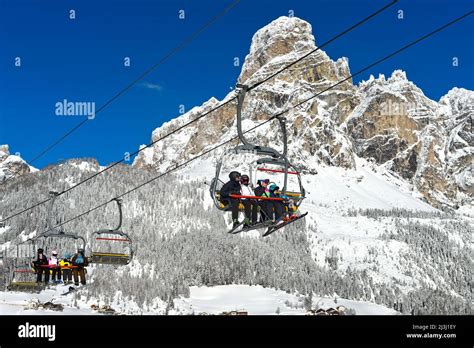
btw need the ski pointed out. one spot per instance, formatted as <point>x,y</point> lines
<point>277,227</point>
<point>236,228</point>
<point>253,227</point>
<point>71,289</point>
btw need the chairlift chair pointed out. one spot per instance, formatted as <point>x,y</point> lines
<point>57,239</point>
<point>102,255</point>
<point>268,157</point>
<point>22,271</point>
<point>22,276</point>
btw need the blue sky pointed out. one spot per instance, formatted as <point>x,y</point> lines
<point>82,60</point>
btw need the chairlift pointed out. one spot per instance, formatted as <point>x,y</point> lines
<point>56,239</point>
<point>105,244</point>
<point>21,276</point>
<point>23,273</point>
<point>269,161</point>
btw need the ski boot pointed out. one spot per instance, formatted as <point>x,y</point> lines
<point>247,223</point>
<point>236,223</point>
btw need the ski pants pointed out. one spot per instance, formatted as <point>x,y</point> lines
<point>56,272</point>
<point>79,272</point>
<point>269,207</point>
<point>67,274</point>
<point>265,211</point>
<point>255,205</point>
<point>234,203</point>
<point>250,209</point>
<point>39,274</point>
<point>279,209</point>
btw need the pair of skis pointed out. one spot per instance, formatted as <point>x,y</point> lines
<point>280,224</point>
<point>272,226</point>
<point>238,228</point>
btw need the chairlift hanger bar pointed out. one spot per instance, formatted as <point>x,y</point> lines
<point>114,239</point>
<point>247,146</point>
<point>260,198</point>
<point>100,257</point>
<point>52,231</point>
<point>23,271</point>
<point>116,230</point>
<point>276,171</point>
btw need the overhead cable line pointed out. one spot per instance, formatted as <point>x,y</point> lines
<point>168,55</point>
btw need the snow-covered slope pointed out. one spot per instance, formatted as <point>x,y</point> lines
<point>257,300</point>
<point>373,175</point>
<point>19,303</point>
<point>366,238</point>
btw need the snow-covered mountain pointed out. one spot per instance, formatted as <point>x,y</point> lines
<point>366,238</point>
<point>379,159</point>
<point>390,121</point>
<point>427,143</point>
<point>255,300</point>
<point>12,165</point>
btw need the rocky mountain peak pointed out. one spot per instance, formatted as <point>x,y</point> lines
<point>458,100</point>
<point>4,152</point>
<point>398,75</point>
<point>396,83</point>
<point>387,120</point>
<point>12,165</point>
<point>283,36</point>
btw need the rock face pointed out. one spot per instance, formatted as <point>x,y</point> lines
<point>12,165</point>
<point>425,142</point>
<point>456,114</point>
<point>390,121</point>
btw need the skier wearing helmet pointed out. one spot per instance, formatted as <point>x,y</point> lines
<point>53,264</point>
<point>278,206</point>
<point>66,269</point>
<point>250,205</point>
<point>80,261</point>
<point>38,265</point>
<point>229,188</point>
<point>265,209</point>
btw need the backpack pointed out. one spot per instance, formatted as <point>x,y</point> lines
<point>80,260</point>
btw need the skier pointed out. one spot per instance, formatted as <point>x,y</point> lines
<point>232,187</point>
<point>53,264</point>
<point>249,204</point>
<point>81,261</point>
<point>265,208</point>
<point>66,269</point>
<point>276,206</point>
<point>39,266</point>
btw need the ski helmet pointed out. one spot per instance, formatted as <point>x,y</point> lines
<point>40,251</point>
<point>80,251</point>
<point>54,253</point>
<point>273,187</point>
<point>234,175</point>
<point>244,179</point>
